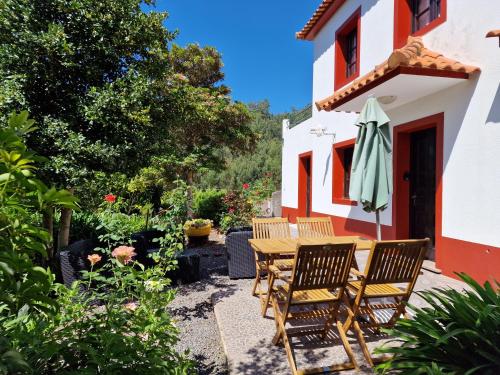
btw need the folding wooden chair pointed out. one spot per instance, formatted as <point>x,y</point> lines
<point>389,262</point>
<point>318,227</point>
<point>315,227</point>
<point>318,280</point>
<point>269,228</point>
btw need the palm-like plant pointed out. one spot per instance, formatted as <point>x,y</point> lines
<point>459,333</point>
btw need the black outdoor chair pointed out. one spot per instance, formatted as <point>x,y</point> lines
<point>145,244</point>
<point>241,258</point>
<point>73,260</point>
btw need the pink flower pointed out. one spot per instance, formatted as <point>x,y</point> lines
<point>246,186</point>
<point>124,254</point>
<point>94,258</point>
<point>110,198</point>
<point>231,210</point>
<point>131,306</point>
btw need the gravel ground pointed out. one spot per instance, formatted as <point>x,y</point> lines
<point>194,312</point>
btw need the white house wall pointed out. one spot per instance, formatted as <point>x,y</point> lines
<point>471,177</point>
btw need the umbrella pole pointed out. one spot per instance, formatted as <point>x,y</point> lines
<point>377,218</point>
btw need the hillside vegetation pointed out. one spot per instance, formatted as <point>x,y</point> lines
<point>244,168</point>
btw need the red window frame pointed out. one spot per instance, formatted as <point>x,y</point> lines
<point>403,17</point>
<point>352,23</point>
<point>340,196</point>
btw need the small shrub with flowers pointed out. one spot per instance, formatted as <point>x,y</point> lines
<point>114,321</point>
<point>260,189</point>
<point>120,324</point>
<point>239,210</point>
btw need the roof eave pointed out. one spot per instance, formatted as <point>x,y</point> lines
<point>328,106</point>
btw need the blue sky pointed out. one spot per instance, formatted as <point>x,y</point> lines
<point>262,58</point>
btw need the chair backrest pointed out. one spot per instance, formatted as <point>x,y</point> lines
<point>315,227</point>
<point>395,261</point>
<point>322,266</point>
<point>268,228</point>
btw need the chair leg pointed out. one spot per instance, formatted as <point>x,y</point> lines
<point>278,335</point>
<point>268,296</point>
<point>282,335</point>
<point>362,342</point>
<point>352,311</point>
<point>346,345</point>
<point>256,285</point>
<point>400,310</point>
<point>372,316</point>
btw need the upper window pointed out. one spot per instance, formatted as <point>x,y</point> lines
<point>351,53</point>
<point>342,162</point>
<point>347,50</point>
<point>416,17</point>
<point>424,12</point>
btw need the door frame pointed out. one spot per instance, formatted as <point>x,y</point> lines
<point>302,188</point>
<point>401,199</point>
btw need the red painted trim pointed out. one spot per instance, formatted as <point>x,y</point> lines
<point>403,19</point>
<point>338,173</point>
<point>354,21</point>
<point>302,189</point>
<point>417,71</point>
<point>482,262</point>
<point>321,22</point>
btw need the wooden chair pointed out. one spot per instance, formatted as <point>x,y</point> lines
<point>389,262</point>
<point>318,281</point>
<point>318,227</point>
<point>315,227</point>
<point>269,228</point>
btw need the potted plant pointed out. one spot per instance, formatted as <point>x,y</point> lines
<point>197,228</point>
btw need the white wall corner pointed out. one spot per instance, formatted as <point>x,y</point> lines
<point>285,127</point>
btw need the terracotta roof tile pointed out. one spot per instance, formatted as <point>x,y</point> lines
<point>493,34</point>
<point>318,14</point>
<point>412,55</point>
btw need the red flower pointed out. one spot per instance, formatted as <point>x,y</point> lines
<point>268,174</point>
<point>246,186</point>
<point>231,210</point>
<point>110,198</point>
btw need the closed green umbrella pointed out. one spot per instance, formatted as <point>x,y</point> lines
<point>371,171</point>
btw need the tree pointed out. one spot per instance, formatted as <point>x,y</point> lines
<point>265,155</point>
<point>83,68</point>
<point>107,93</point>
<point>204,121</point>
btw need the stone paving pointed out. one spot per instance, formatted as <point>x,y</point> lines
<point>246,335</point>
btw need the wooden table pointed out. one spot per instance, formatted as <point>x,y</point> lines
<point>272,248</point>
<point>276,246</point>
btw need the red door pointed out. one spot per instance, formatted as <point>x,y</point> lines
<point>305,185</point>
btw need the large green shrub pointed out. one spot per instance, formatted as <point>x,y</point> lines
<point>24,287</point>
<point>459,333</point>
<point>208,204</point>
<point>119,325</point>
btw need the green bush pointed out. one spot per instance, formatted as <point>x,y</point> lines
<point>119,325</point>
<point>175,203</point>
<point>208,204</point>
<point>84,226</point>
<point>458,334</point>
<point>25,288</point>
